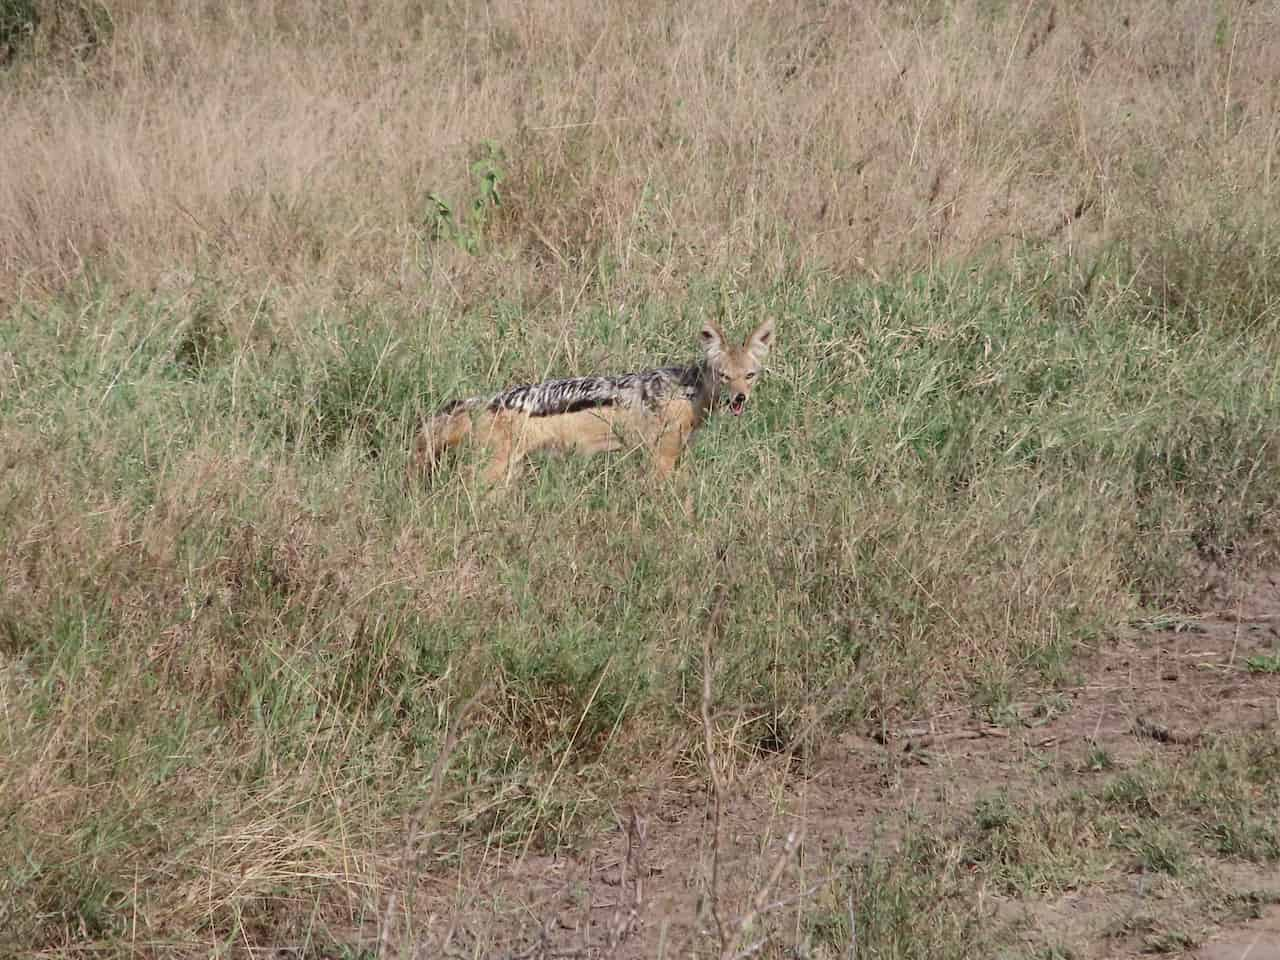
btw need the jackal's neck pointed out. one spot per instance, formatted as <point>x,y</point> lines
<point>706,379</point>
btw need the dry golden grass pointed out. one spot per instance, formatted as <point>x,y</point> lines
<point>287,151</point>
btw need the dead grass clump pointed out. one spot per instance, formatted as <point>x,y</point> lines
<point>307,153</point>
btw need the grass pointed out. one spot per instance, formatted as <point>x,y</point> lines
<point>223,600</point>
<point>925,894</point>
<point>1024,392</point>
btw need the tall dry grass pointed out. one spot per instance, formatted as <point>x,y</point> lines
<point>291,147</point>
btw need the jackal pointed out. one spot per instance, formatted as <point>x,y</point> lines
<point>659,409</point>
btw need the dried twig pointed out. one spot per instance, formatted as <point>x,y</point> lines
<point>624,924</point>
<point>423,815</point>
<point>852,953</point>
<point>760,902</point>
<point>1142,727</point>
<point>717,785</point>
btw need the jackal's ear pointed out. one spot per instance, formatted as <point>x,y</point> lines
<point>712,341</point>
<point>758,343</point>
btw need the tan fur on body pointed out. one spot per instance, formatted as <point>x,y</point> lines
<point>659,409</point>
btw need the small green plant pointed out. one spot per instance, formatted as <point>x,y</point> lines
<point>1241,906</point>
<point>1264,663</point>
<point>1169,941</point>
<point>1049,708</point>
<point>1098,759</point>
<point>467,228</point>
<point>994,813</point>
<point>994,700</point>
<point>74,29</point>
<point>18,22</point>
<point>911,904</point>
<point>1244,838</point>
<point>1055,951</point>
<point>1159,848</point>
<point>1135,792</point>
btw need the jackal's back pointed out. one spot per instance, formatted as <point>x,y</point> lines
<point>646,390</point>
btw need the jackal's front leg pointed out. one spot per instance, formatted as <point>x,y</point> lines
<point>502,452</point>
<point>677,422</point>
<point>667,450</point>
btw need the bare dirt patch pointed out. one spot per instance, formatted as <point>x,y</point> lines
<point>659,884</point>
<point>1259,940</point>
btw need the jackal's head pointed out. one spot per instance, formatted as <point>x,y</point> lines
<point>737,368</point>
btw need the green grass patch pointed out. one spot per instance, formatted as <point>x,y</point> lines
<point>223,598</point>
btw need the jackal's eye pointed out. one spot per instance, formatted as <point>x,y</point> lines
<point>724,377</point>
<point>751,375</point>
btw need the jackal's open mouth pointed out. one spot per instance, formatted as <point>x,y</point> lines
<point>737,403</point>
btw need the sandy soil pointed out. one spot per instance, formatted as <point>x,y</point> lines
<point>644,888</point>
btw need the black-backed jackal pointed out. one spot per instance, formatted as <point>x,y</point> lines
<point>658,408</point>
